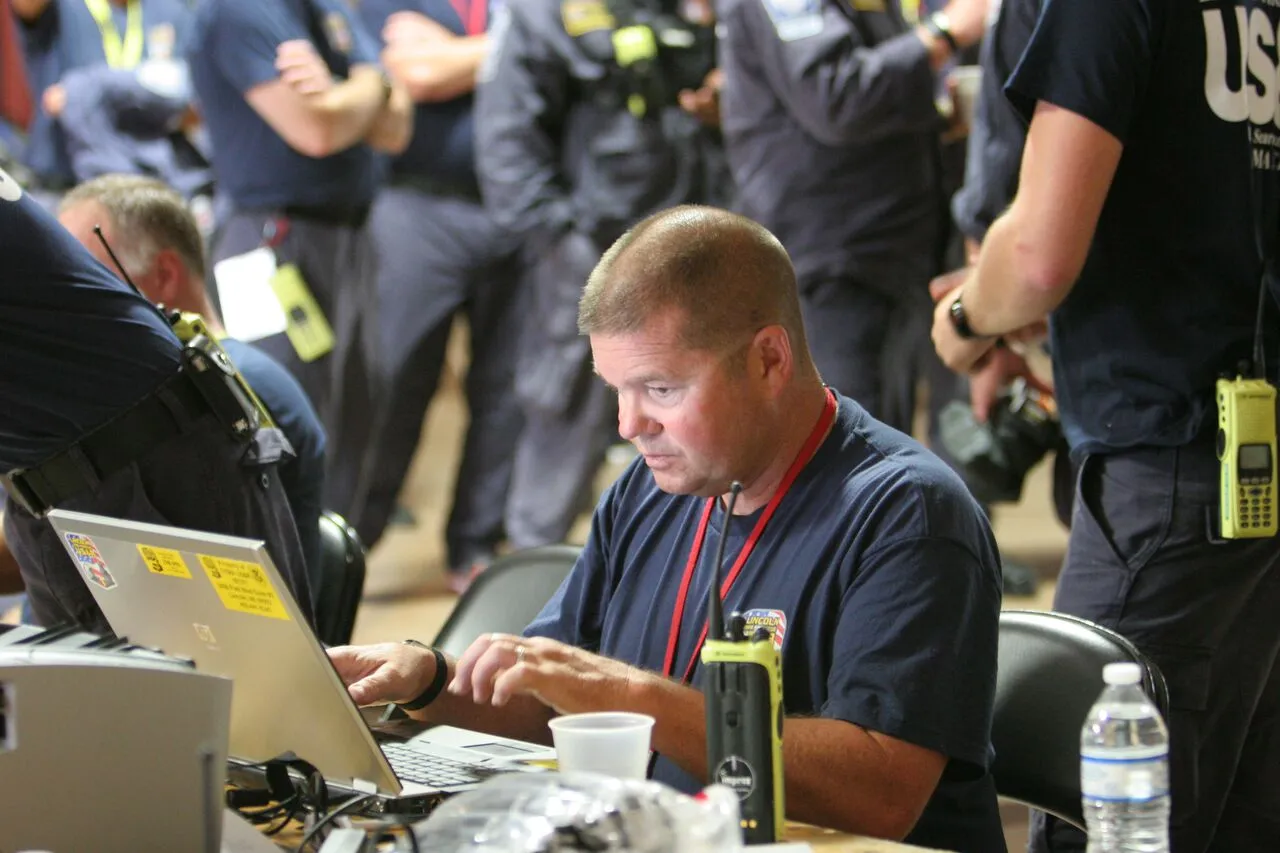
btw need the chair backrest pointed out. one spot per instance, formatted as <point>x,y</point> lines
<point>339,580</point>
<point>1049,677</point>
<point>507,596</point>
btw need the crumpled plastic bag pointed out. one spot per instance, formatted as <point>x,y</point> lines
<point>581,813</point>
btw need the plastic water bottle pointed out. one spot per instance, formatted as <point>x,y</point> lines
<point>1124,768</point>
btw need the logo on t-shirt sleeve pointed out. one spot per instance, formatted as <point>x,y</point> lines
<point>773,621</point>
<point>10,190</point>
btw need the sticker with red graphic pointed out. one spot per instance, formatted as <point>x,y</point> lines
<point>90,560</point>
<point>773,621</point>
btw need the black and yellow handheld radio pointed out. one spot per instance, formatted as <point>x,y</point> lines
<point>1247,450</point>
<point>216,377</point>
<point>743,689</point>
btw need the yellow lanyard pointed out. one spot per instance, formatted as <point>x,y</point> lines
<point>119,55</point>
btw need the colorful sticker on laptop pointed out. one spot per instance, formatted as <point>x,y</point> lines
<point>163,561</point>
<point>774,621</point>
<point>90,560</point>
<point>243,587</point>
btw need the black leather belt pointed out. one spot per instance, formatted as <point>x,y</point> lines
<point>462,191</point>
<point>162,414</point>
<point>346,217</point>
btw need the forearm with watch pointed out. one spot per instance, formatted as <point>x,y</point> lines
<point>958,25</point>
<point>997,298</point>
<point>523,718</point>
<point>392,127</point>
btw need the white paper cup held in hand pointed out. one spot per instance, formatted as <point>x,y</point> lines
<point>614,743</point>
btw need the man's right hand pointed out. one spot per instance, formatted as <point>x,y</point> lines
<point>968,20</point>
<point>302,68</point>
<point>384,673</point>
<point>54,99</point>
<point>988,382</point>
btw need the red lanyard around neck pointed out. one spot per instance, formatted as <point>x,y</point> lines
<point>802,458</point>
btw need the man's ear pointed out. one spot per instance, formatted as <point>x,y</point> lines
<point>772,360</point>
<point>168,279</point>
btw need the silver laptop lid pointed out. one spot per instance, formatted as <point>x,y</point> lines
<point>220,601</point>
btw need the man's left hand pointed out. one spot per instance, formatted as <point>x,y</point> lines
<point>959,354</point>
<point>704,103</point>
<point>499,666</point>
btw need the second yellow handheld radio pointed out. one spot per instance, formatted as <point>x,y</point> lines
<point>1247,450</point>
<point>743,690</point>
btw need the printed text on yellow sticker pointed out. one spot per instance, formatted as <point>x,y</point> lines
<point>243,587</point>
<point>162,561</point>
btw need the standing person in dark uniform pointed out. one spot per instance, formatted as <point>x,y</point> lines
<point>99,416</point>
<point>573,147</point>
<point>61,36</point>
<point>156,240</point>
<point>832,133</point>
<point>296,105</point>
<point>440,253</point>
<point>1170,276</point>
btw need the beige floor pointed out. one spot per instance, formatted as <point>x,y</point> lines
<point>405,589</point>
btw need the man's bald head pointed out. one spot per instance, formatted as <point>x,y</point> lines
<point>725,275</point>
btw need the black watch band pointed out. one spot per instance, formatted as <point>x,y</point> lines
<point>436,687</point>
<point>960,320</point>
<point>939,26</point>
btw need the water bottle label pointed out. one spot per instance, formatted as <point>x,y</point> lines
<point>1124,778</point>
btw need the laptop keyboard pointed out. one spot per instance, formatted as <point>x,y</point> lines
<point>413,765</point>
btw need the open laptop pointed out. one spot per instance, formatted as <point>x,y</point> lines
<point>220,601</point>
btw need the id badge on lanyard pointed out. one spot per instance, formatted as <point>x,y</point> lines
<point>126,53</point>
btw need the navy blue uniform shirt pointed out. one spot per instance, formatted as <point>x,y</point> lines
<point>879,577</point>
<point>77,346</point>
<point>832,135</point>
<point>302,475</point>
<point>233,49</point>
<point>443,144</point>
<point>1168,296</point>
<point>66,37</point>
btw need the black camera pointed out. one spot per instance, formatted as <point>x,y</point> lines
<point>994,457</point>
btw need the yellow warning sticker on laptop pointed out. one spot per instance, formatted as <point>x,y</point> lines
<point>163,561</point>
<point>243,586</point>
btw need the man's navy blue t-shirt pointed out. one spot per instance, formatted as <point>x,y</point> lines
<point>232,50</point>
<point>1168,296</point>
<point>66,37</point>
<point>878,571</point>
<point>77,346</point>
<point>291,409</point>
<point>443,144</point>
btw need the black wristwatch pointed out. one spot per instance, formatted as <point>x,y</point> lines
<point>938,25</point>
<point>960,321</point>
<point>436,687</point>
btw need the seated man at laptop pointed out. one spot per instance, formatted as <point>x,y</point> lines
<point>876,570</point>
<point>97,415</point>
<point>157,241</point>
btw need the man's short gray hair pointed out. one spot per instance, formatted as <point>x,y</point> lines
<point>146,216</point>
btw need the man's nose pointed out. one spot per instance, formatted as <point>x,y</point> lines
<point>632,422</point>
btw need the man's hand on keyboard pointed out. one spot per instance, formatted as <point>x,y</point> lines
<point>497,667</point>
<point>387,672</point>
